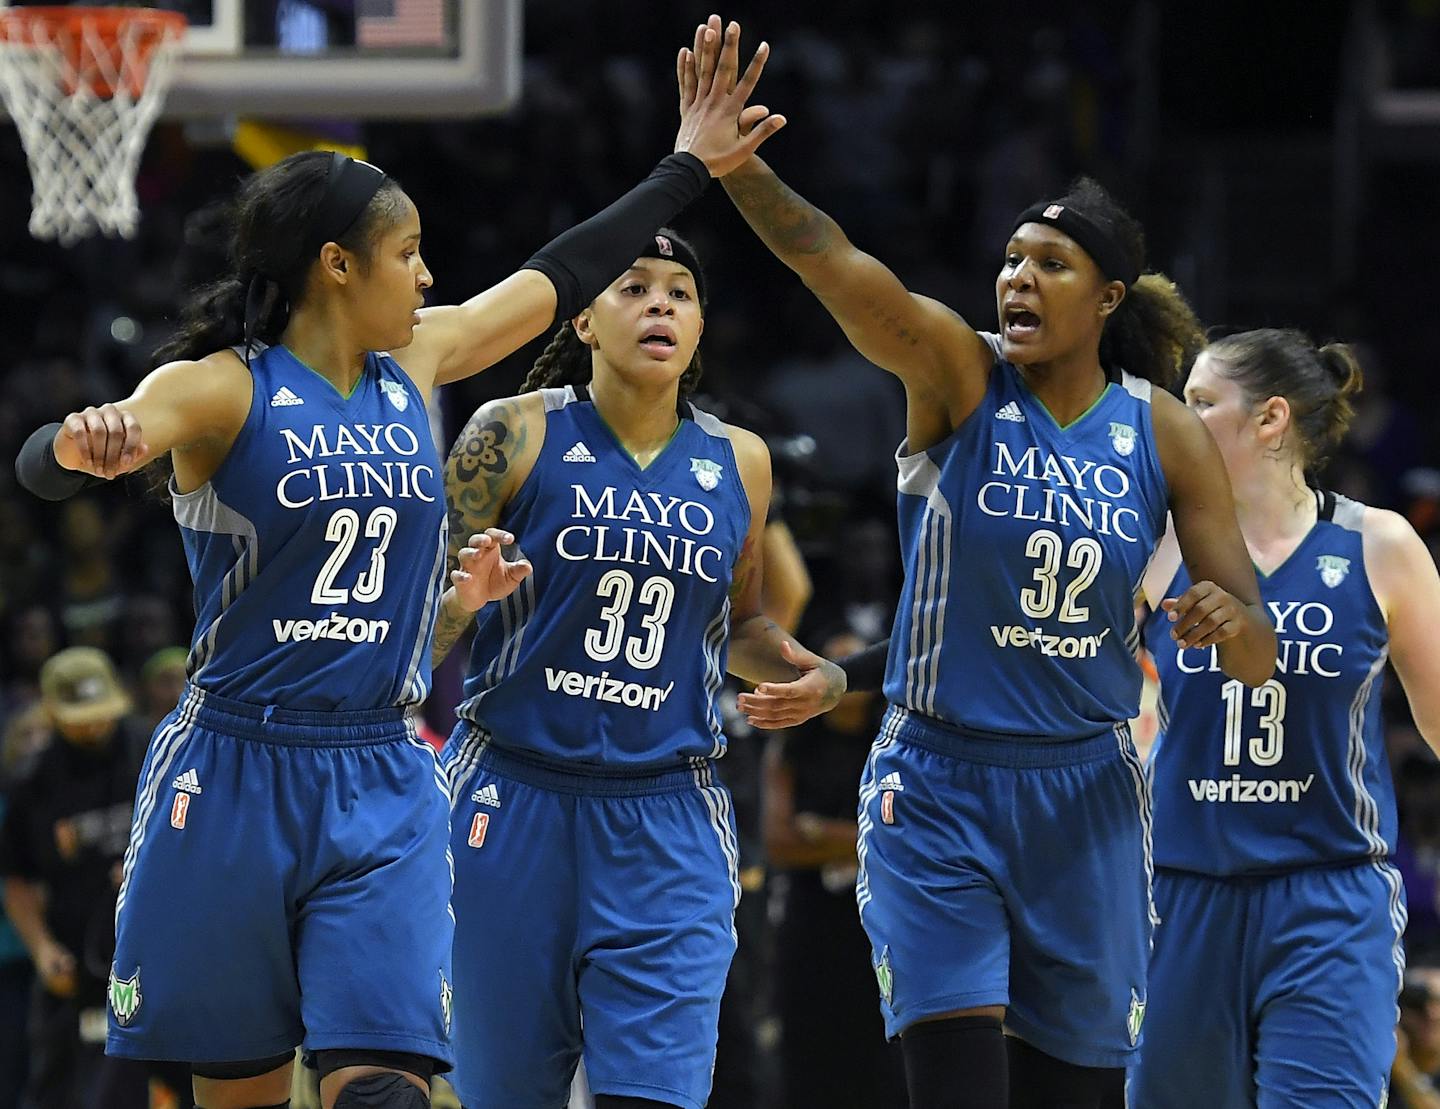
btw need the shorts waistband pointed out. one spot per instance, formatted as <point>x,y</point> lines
<point>597,781</point>
<point>292,727</point>
<point>1019,753</point>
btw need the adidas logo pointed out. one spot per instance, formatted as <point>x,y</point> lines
<point>189,782</point>
<point>283,397</point>
<point>578,453</point>
<point>1012,413</point>
<point>892,783</point>
<point>488,794</point>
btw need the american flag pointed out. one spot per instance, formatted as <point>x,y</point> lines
<point>400,23</point>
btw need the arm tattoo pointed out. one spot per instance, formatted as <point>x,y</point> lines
<point>477,487</point>
<point>787,222</point>
<point>450,625</point>
<point>744,570</point>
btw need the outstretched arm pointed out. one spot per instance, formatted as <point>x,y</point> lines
<point>194,409</point>
<point>1223,607</point>
<point>564,276</point>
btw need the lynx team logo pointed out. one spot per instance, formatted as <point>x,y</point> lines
<point>124,996</point>
<point>1135,1018</point>
<point>707,473</point>
<point>395,393</point>
<point>1333,569</point>
<point>885,976</point>
<point>1123,438</point>
<point>447,1006</point>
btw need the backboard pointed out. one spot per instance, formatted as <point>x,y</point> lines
<point>354,59</point>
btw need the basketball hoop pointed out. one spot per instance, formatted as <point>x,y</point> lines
<point>84,86</point>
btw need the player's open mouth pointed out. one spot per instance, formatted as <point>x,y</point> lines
<point>1020,322</point>
<point>658,341</point>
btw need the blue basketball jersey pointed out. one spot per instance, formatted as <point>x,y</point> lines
<point>1023,544</point>
<point>1292,773</point>
<point>317,549</point>
<point>613,651</point>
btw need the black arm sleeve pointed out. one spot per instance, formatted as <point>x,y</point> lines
<point>865,670</point>
<point>37,470</point>
<point>582,261</point>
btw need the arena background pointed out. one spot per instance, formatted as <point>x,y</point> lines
<point>1284,157</point>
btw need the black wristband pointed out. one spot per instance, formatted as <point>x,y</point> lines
<point>582,261</point>
<point>865,670</point>
<point>37,470</point>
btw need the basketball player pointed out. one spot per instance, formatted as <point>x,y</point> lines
<point>1276,970</point>
<point>595,853</point>
<point>287,874</point>
<point>1004,816</point>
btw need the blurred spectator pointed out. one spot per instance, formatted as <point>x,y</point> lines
<point>1417,1056</point>
<point>833,1048</point>
<point>91,600</point>
<point>162,680</point>
<point>63,838</point>
<point>1417,854</point>
<point>31,636</point>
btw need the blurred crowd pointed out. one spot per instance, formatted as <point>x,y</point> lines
<point>922,133</point>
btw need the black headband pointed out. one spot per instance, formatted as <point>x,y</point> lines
<point>349,187</point>
<point>1108,254</point>
<point>668,245</point>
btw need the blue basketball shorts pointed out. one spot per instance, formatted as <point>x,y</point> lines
<point>1273,991</point>
<point>595,916</point>
<point>1014,873</point>
<point>287,882</point>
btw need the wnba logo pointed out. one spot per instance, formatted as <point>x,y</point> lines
<point>179,809</point>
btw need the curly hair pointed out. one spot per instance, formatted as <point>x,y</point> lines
<point>566,360</point>
<point>1153,333</point>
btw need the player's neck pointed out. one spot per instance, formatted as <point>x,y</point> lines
<point>1275,511</point>
<point>642,417</point>
<point>1068,387</point>
<point>321,342</point>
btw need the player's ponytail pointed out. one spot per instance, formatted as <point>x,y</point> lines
<point>269,263</point>
<point>1317,383</point>
<point>1153,333</point>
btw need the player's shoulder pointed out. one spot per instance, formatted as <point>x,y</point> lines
<point>1387,534</point>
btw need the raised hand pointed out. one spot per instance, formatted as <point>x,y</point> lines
<point>1204,615</point>
<point>104,441</point>
<point>715,124</point>
<point>785,704</point>
<point>484,574</point>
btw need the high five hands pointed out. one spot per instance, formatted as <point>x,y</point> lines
<point>715,124</point>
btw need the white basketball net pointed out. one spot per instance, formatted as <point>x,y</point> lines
<point>84,148</point>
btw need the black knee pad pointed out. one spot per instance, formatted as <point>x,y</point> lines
<point>1041,1081</point>
<point>956,1063</point>
<point>248,1068</point>
<point>328,1062</point>
<point>382,1091</point>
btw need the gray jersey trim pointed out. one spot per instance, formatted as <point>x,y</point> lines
<point>1349,514</point>
<point>202,510</point>
<point>557,398</point>
<point>1137,387</point>
<point>709,424</point>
